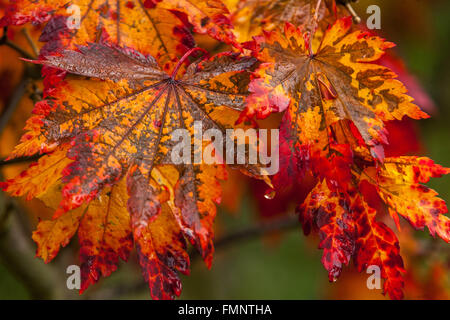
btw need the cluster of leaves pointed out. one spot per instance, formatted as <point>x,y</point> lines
<point>120,84</point>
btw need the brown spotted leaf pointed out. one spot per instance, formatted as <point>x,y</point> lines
<point>326,81</point>
<point>131,121</point>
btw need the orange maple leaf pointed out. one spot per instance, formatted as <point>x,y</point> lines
<point>99,133</point>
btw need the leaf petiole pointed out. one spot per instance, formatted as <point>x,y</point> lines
<point>184,57</point>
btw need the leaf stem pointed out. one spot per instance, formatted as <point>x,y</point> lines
<point>184,57</point>
<point>348,6</point>
<point>316,12</point>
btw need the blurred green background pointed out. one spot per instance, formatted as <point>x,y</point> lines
<point>289,267</point>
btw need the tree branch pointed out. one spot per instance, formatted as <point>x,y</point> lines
<point>251,232</point>
<point>34,157</point>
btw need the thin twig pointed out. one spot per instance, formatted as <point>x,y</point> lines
<point>5,41</point>
<point>21,51</point>
<point>30,41</point>
<point>316,13</point>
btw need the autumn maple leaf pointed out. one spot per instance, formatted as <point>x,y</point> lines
<point>106,234</point>
<point>347,224</point>
<point>327,211</point>
<point>250,17</point>
<point>399,183</point>
<point>207,17</point>
<point>105,133</point>
<point>336,101</point>
<point>80,112</point>
<point>122,127</point>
